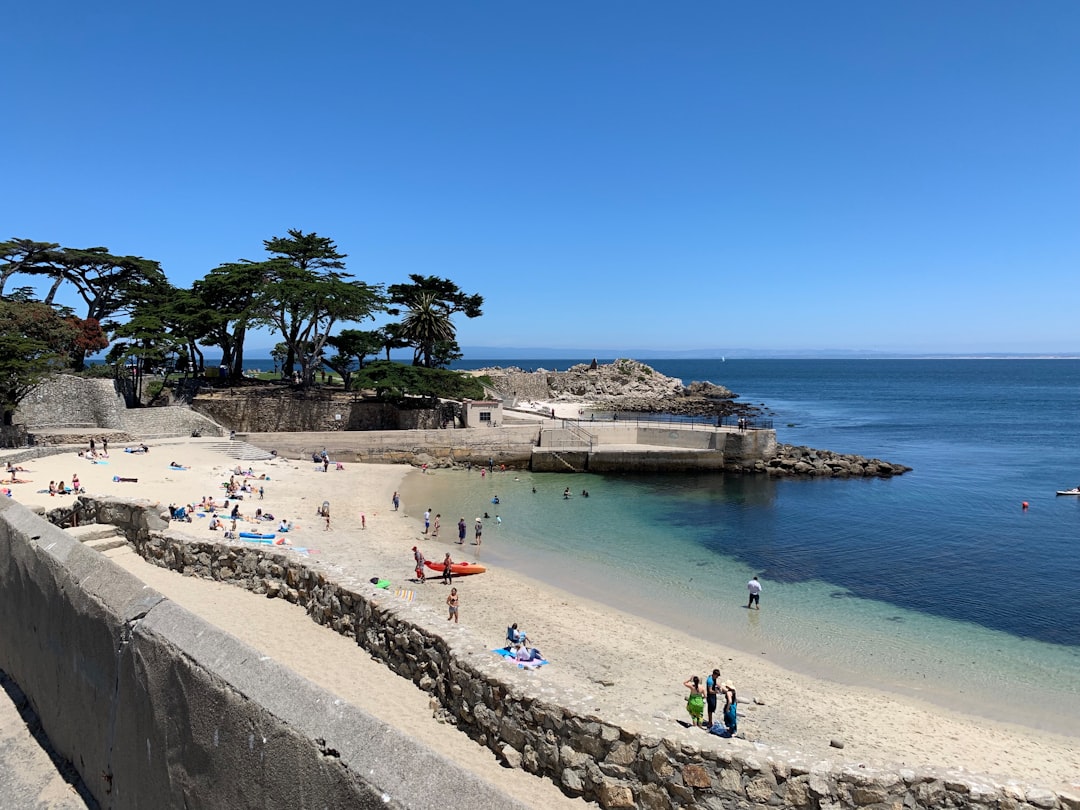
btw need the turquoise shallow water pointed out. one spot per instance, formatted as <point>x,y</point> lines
<point>935,583</point>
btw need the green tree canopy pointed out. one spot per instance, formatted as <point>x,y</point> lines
<point>429,303</point>
<point>307,293</point>
<point>395,382</point>
<point>35,341</point>
<point>353,346</point>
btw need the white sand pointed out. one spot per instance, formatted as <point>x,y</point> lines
<point>632,670</point>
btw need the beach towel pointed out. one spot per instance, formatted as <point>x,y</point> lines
<point>404,593</point>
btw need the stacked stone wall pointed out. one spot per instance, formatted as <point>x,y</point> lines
<point>66,400</point>
<point>514,385</point>
<point>273,409</point>
<point>602,759</point>
<point>174,420</point>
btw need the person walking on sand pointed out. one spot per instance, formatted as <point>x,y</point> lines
<point>695,701</point>
<point>452,604</point>
<point>418,557</point>
<point>461,531</point>
<point>363,521</point>
<point>478,532</point>
<point>447,569</point>
<point>754,587</point>
<point>397,500</point>
<point>435,525</point>
<point>712,690</point>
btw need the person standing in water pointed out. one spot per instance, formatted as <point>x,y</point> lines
<point>754,587</point>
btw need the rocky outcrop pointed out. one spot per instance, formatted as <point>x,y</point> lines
<point>624,385</point>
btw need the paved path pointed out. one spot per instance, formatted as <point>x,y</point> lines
<point>29,780</point>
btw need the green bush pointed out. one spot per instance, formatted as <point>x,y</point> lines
<point>99,371</point>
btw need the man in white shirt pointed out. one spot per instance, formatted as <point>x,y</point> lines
<point>754,587</point>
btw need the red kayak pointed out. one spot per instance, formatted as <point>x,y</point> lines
<point>458,569</point>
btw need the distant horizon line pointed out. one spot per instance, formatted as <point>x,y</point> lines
<point>475,354</point>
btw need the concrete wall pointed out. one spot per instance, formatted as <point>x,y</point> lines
<point>511,445</point>
<point>156,709</point>
<point>620,762</point>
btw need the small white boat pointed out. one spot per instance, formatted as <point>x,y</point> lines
<point>1074,491</point>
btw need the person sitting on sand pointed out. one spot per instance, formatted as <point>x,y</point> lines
<point>283,526</point>
<point>515,636</point>
<point>215,524</point>
<point>524,653</point>
<point>52,487</point>
<point>61,488</point>
<point>235,514</point>
<point>695,702</point>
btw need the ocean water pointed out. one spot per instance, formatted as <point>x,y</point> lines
<point>936,583</point>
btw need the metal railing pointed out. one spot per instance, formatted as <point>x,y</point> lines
<point>686,422</point>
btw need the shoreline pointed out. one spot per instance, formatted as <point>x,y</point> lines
<point>620,659</point>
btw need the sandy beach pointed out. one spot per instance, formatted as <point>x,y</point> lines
<point>621,665</point>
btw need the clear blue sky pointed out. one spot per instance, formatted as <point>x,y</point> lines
<point>896,176</point>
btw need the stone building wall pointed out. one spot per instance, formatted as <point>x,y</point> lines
<point>604,759</point>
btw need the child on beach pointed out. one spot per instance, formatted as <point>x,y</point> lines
<point>452,604</point>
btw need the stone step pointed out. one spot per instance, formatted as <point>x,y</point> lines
<point>93,531</point>
<point>106,543</point>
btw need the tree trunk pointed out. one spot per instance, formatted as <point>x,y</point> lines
<point>238,355</point>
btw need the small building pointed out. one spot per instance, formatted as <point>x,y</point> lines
<point>482,412</point>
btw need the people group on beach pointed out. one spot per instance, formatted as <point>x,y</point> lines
<point>706,697</point>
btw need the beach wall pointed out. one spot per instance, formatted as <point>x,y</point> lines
<point>510,445</point>
<point>156,708</point>
<point>610,760</point>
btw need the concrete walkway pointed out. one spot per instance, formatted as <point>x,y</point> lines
<point>29,778</point>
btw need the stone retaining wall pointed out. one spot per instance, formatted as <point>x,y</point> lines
<point>156,708</point>
<point>272,409</point>
<point>606,759</point>
<point>65,400</point>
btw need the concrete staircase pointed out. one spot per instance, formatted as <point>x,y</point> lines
<point>100,536</point>
<point>242,451</point>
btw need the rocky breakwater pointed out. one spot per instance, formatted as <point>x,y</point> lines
<point>806,461</point>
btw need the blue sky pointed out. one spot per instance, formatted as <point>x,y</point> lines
<point>894,176</point>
